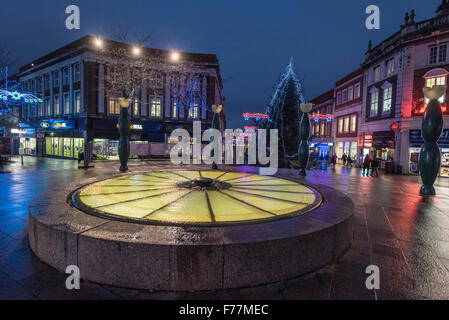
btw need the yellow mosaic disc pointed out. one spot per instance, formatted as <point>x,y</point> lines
<point>196,198</point>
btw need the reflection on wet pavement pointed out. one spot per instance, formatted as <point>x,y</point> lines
<point>405,235</point>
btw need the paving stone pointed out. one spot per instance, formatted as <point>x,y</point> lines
<point>390,221</point>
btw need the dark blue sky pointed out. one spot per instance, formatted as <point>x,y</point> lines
<point>252,39</point>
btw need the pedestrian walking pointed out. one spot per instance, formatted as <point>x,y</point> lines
<point>344,158</point>
<point>366,164</point>
<point>374,166</point>
<point>349,162</point>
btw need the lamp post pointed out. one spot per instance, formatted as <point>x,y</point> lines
<point>216,125</point>
<point>304,134</point>
<point>432,126</point>
<point>124,124</point>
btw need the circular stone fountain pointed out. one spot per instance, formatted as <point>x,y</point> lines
<point>190,230</point>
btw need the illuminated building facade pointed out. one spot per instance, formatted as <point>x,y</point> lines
<point>77,109</point>
<point>396,70</point>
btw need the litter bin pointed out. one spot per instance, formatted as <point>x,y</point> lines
<point>398,169</point>
<point>389,167</point>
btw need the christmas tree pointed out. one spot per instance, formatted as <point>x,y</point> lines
<point>284,112</point>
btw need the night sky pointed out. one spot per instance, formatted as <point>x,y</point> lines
<point>252,39</point>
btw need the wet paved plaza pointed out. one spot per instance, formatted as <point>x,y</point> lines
<point>406,236</point>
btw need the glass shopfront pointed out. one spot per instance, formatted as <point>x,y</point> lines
<point>64,147</point>
<point>105,149</point>
<point>414,156</point>
<point>444,171</point>
<point>28,146</point>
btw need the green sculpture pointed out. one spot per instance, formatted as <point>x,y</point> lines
<point>304,134</point>
<point>216,125</point>
<point>432,126</point>
<point>124,127</point>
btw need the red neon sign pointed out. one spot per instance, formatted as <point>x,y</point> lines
<point>394,126</point>
<point>422,108</point>
<point>250,128</point>
<point>255,115</point>
<point>321,116</point>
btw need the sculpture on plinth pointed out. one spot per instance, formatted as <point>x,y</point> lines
<point>432,126</point>
<point>124,127</point>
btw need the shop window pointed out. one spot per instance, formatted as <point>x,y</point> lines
<point>386,105</point>
<point>66,100</point>
<point>68,147</point>
<point>193,112</point>
<point>430,82</point>
<point>340,125</point>
<point>77,102</point>
<point>344,96</point>
<point>156,106</point>
<point>353,123</point>
<point>390,67</point>
<point>136,108</point>
<point>350,93</point>
<point>346,128</point>
<point>56,105</point>
<point>78,147</point>
<point>374,103</point>
<point>114,106</point>
<point>76,72</point>
<point>376,73</point>
<point>47,81</point>
<point>357,91</point>
<point>65,76</point>
<point>56,79</point>
<point>438,54</point>
<point>338,98</point>
<point>175,110</point>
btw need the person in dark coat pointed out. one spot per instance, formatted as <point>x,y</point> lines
<point>374,166</point>
<point>366,164</point>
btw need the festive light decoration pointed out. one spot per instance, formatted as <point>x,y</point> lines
<point>321,116</point>
<point>247,128</point>
<point>284,113</point>
<point>256,116</point>
<point>189,98</point>
<point>19,96</point>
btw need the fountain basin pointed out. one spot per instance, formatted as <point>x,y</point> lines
<point>185,255</point>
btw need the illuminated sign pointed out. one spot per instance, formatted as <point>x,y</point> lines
<point>365,141</point>
<point>59,125</point>
<point>256,116</point>
<point>45,124</point>
<point>18,131</point>
<point>136,127</point>
<point>394,126</point>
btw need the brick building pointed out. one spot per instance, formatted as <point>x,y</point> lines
<point>78,109</point>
